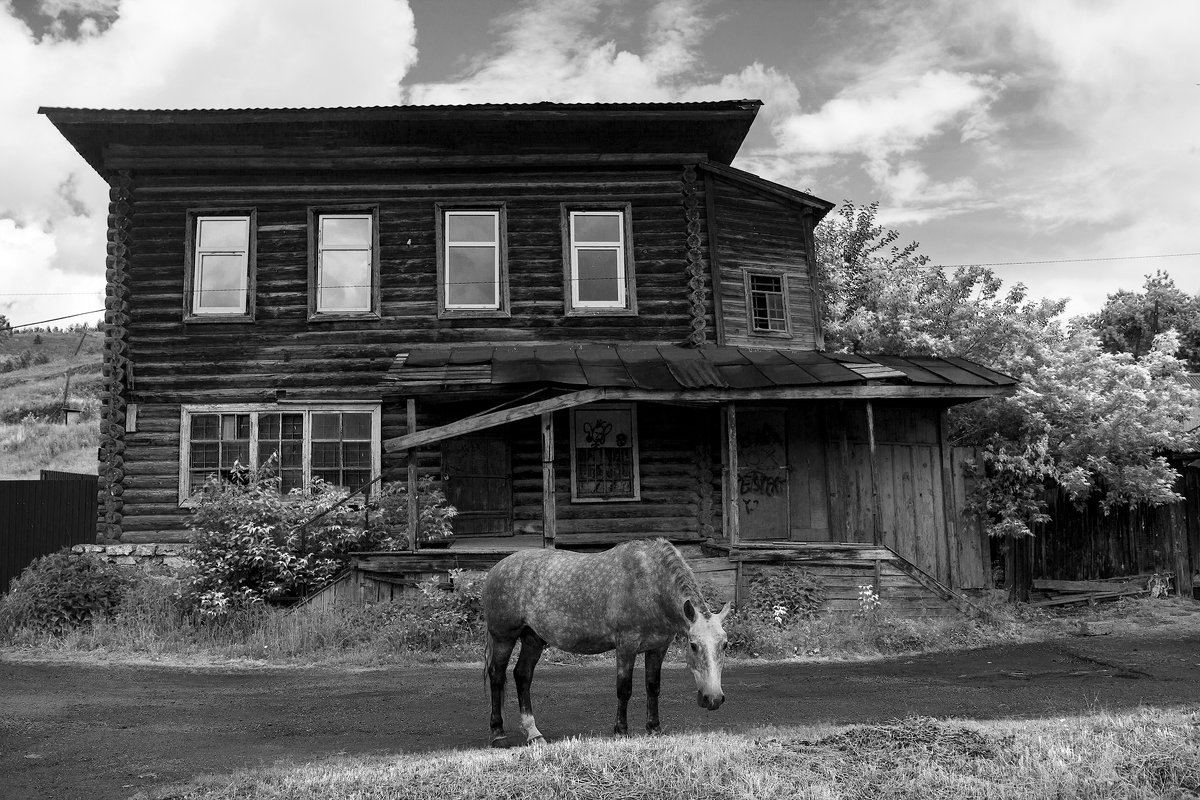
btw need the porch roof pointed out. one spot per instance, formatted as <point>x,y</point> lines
<point>676,369</point>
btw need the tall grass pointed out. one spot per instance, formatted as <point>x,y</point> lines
<point>1141,755</point>
<point>33,444</point>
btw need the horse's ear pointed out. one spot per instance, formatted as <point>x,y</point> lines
<point>689,610</point>
<point>724,612</point>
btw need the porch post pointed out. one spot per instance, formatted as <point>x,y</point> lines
<point>876,513</point>
<point>730,488</point>
<point>414,515</point>
<point>549,510</point>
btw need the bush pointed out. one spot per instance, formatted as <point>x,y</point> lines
<point>62,591</point>
<point>254,545</point>
<point>778,599</point>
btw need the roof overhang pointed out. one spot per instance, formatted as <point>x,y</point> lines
<point>710,130</point>
<point>818,207</point>
<point>590,373</point>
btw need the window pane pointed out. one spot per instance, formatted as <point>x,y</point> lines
<point>268,426</point>
<point>235,452</point>
<point>223,234</point>
<point>290,454</point>
<point>345,280</point>
<point>327,426</point>
<point>293,426</point>
<point>354,478</point>
<point>356,426</point>
<point>597,276</point>
<point>219,282</point>
<point>291,479</point>
<point>597,227</point>
<point>471,227</point>
<point>346,232</point>
<point>205,455</point>
<point>325,455</point>
<point>205,426</point>
<point>356,454</point>
<point>471,276</point>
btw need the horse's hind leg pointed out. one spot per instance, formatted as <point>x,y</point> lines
<point>531,650</point>
<point>498,653</point>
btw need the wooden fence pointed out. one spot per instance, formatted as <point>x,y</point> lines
<point>43,516</point>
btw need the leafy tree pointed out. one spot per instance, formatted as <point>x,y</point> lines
<point>5,326</point>
<point>1130,321</point>
<point>1093,421</point>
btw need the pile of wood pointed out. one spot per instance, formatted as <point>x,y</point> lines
<point>1047,592</point>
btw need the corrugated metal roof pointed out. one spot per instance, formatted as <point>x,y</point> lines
<point>673,368</point>
<point>545,104</point>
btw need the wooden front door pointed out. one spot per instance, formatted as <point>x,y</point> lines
<point>477,478</point>
<point>763,474</point>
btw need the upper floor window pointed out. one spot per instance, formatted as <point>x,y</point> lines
<point>767,303</point>
<point>338,444</point>
<point>598,261</point>
<point>344,263</point>
<point>472,273</point>
<point>220,278</point>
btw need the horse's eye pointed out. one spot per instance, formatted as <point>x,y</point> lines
<point>695,647</point>
<point>724,645</point>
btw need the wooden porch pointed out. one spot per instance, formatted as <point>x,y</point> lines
<point>842,570</point>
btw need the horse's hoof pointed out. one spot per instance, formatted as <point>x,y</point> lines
<point>655,731</point>
<point>500,741</point>
<point>537,741</point>
<point>619,731</point>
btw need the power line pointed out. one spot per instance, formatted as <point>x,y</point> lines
<point>1068,260</point>
<point>56,319</point>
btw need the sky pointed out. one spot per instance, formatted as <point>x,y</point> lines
<point>1062,133</point>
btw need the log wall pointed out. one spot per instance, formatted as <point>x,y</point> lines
<point>762,232</point>
<point>173,362</point>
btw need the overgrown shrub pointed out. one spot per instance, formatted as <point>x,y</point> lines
<point>778,598</point>
<point>61,591</point>
<point>438,616</point>
<point>253,544</point>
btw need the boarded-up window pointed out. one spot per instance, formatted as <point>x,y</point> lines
<point>604,453</point>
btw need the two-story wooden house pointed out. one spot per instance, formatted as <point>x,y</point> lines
<point>580,317</point>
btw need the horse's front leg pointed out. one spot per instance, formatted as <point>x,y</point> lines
<point>625,662</point>
<point>654,659</point>
<point>531,650</point>
<point>498,652</point>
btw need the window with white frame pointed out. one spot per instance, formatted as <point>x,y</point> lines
<point>599,274</point>
<point>222,260</point>
<point>471,268</point>
<point>604,453</point>
<point>345,263</point>
<point>338,444</point>
<point>767,295</point>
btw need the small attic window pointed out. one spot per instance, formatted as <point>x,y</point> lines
<point>767,303</point>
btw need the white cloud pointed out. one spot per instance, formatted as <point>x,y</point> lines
<point>167,54</point>
<point>898,120</point>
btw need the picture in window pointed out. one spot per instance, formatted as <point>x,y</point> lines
<point>604,453</point>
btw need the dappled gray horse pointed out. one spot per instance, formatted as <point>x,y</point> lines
<point>633,598</point>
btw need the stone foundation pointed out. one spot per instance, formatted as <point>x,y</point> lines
<point>170,556</point>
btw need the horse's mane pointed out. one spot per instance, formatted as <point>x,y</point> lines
<point>681,574</point>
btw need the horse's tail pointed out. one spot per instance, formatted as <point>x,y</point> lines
<point>487,655</point>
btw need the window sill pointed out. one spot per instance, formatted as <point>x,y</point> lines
<point>602,312</point>
<point>474,313</point>
<point>212,319</point>
<point>637,499</point>
<point>770,335</point>
<point>345,316</point>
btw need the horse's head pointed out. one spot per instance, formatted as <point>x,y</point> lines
<point>706,652</point>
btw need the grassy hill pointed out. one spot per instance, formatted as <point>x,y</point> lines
<point>33,373</point>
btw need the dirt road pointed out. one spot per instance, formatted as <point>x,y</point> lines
<point>69,731</point>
